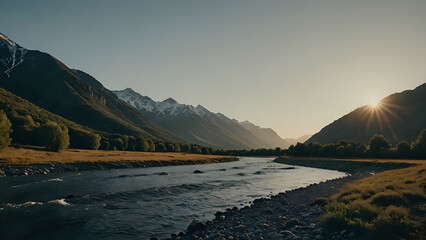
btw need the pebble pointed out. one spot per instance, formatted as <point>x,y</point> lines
<point>264,219</point>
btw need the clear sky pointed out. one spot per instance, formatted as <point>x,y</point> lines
<point>294,66</point>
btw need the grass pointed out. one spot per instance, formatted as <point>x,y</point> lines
<point>27,155</point>
<point>388,205</point>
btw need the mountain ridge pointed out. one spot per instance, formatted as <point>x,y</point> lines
<point>196,123</point>
<point>48,83</point>
<point>399,117</point>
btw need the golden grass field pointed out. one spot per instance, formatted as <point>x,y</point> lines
<point>26,155</point>
<point>388,205</point>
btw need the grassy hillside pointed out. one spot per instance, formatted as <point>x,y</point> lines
<point>10,102</point>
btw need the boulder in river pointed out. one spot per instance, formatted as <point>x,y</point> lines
<point>195,226</point>
<point>198,171</point>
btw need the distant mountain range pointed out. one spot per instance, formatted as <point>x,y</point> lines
<point>400,116</point>
<point>301,139</point>
<point>199,125</point>
<point>75,95</point>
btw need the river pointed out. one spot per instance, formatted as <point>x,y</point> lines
<point>139,203</point>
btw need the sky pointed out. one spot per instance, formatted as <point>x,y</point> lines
<point>294,66</point>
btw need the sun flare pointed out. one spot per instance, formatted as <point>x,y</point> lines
<point>374,103</point>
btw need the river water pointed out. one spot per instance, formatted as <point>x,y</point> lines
<point>139,203</point>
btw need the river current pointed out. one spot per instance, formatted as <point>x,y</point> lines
<point>139,203</point>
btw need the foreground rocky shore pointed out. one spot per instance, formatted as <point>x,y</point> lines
<point>291,215</point>
<point>30,169</point>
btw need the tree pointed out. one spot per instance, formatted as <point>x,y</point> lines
<point>177,147</point>
<point>142,145</point>
<point>23,127</point>
<point>419,146</point>
<point>117,144</point>
<point>205,150</point>
<point>131,143</point>
<point>186,147</point>
<point>170,147</point>
<point>54,136</point>
<point>379,142</point>
<point>5,130</point>
<point>104,144</point>
<point>83,139</point>
<point>403,149</point>
<point>151,145</point>
<point>160,147</point>
<point>195,149</point>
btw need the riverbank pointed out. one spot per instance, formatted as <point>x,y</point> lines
<point>348,165</point>
<point>25,160</point>
<point>296,214</point>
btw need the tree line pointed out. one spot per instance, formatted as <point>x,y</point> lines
<point>54,136</point>
<point>378,147</point>
<point>23,129</point>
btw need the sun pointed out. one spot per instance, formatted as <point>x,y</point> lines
<point>374,103</point>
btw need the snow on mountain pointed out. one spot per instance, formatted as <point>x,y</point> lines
<point>199,125</point>
<point>15,57</point>
<point>166,107</point>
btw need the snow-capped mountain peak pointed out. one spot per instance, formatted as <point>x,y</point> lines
<point>14,57</point>
<point>170,100</point>
<point>168,106</point>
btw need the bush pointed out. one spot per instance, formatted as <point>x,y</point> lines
<point>5,130</point>
<point>385,199</point>
<point>54,136</point>
<point>334,221</point>
<point>403,149</point>
<point>141,145</point>
<point>82,139</point>
<point>117,144</point>
<point>393,224</point>
<point>419,146</point>
<point>379,143</point>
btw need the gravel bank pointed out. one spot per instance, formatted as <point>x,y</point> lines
<point>22,170</point>
<point>288,215</point>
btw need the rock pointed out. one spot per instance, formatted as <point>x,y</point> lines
<point>342,232</point>
<point>198,171</point>
<point>293,222</point>
<point>312,225</point>
<point>173,235</point>
<point>195,226</point>
<point>319,237</point>
<point>351,235</point>
<point>288,234</point>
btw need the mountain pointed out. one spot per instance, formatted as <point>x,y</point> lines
<point>268,135</point>
<point>48,83</point>
<point>199,125</point>
<point>400,116</point>
<point>301,139</point>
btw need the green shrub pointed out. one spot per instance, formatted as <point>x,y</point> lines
<point>5,130</point>
<point>393,224</point>
<point>334,221</point>
<point>54,136</point>
<point>83,139</point>
<point>385,199</point>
